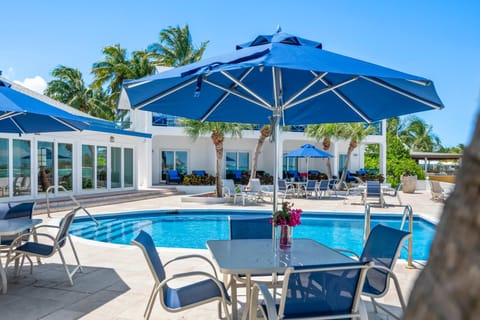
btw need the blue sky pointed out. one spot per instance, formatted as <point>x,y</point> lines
<point>436,40</point>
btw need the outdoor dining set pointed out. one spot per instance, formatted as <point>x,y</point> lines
<point>309,280</point>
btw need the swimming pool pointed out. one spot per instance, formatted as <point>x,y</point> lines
<point>192,228</point>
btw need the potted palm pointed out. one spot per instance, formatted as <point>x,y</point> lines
<point>409,181</point>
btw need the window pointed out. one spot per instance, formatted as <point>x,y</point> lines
<point>128,168</point>
<point>289,163</point>
<point>4,167</point>
<point>45,165</point>
<point>65,165</point>
<point>237,161</point>
<point>88,158</point>
<point>174,160</point>
<point>116,168</point>
<point>101,167</point>
<point>341,162</point>
<point>21,167</point>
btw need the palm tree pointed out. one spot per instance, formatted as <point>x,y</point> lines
<point>356,132</point>
<point>264,134</point>
<point>419,136</point>
<point>176,48</point>
<point>325,132</point>
<point>68,87</point>
<point>217,131</point>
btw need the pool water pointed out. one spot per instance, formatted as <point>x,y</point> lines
<point>192,228</point>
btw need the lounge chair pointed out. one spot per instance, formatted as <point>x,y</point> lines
<point>49,246</point>
<point>199,173</point>
<point>256,191</point>
<point>323,188</point>
<point>383,248</point>
<point>176,299</point>
<point>438,193</point>
<point>394,193</point>
<point>311,189</point>
<point>173,176</point>
<point>373,190</point>
<point>314,292</point>
<point>231,191</point>
<point>21,185</point>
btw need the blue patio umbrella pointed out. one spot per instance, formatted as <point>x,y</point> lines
<point>308,151</point>
<point>21,113</point>
<point>282,79</point>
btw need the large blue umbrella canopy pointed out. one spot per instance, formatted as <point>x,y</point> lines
<point>283,79</point>
<point>21,113</point>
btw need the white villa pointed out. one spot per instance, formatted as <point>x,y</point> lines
<point>107,159</point>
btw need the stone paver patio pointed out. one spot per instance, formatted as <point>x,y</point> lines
<point>116,281</point>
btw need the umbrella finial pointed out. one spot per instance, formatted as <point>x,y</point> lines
<point>279,29</point>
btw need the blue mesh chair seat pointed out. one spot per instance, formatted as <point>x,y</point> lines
<point>185,297</point>
<point>323,188</point>
<point>314,292</point>
<point>311,189</point>
<point>49,246</point>
<point>199,173</point>
<point>383,247</point>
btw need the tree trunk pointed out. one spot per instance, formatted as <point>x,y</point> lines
<point>326,146</point>
<point>218,142</point>
<point>264,134</point>
<point>449,286</point>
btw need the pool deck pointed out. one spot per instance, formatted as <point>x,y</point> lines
<point>116,282</point>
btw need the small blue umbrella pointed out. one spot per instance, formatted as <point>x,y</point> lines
<point>308,151</point>
<point>282,79</point>
<point>21,113</point>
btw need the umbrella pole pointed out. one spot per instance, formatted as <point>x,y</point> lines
<point>276,131</point>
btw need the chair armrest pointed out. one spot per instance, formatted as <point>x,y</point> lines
<point>193,256</point>
<point>267,298</point>
<point>177,276</point>
<point>46,226</point>
<point>346,251</point>
<point>18,239</point>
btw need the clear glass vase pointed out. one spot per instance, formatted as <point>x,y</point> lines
<point>285,241</point>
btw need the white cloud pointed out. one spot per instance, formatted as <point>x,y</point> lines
<point>37,84</point>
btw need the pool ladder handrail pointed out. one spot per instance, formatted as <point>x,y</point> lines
<point>407,213</point>
<point>72,197</point>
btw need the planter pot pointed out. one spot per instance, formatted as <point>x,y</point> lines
<point>409,183</point>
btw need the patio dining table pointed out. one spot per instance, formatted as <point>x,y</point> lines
<point>13,227</point>
<point>248,257</point>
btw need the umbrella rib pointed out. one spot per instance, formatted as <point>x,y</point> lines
<point>65,123</point>
<point>402,92</point>
<point>10,114</point>
<point>321,92</point>
<point>348,103</point>
<point>224,96</point>
<point>17,125</point>
<point>241,85</point>
<point>315,80</point>
<point>235,93</point>
<point>165,93</point>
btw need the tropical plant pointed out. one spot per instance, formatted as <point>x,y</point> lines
<point>69,87</point>
<point>419,136</point>
<point>324,132</point>
<point>175,47</point>
<point>217,131</point>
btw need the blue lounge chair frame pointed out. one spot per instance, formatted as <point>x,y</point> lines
<point>181,298</point>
